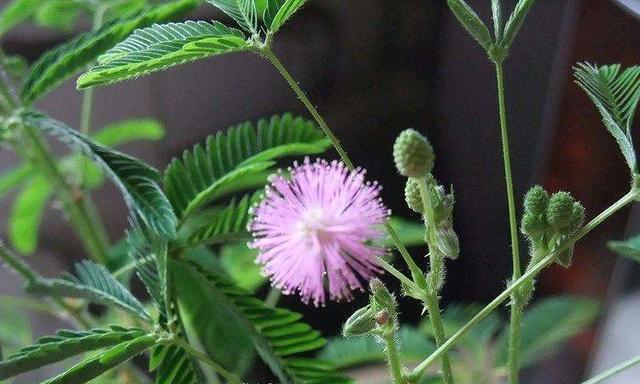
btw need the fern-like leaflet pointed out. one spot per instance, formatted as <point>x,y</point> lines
<point>278,335</point>
<point>63,345</point>
<point>242,11</point>
<point>162,46</point>
<point>616,94</point>
<point>137,181</point>
<point>58,65</point>
<point>278,12</point>
<point>203,173</point>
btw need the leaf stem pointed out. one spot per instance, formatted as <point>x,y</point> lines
<point>526,277</point>
<point>391,350</point>
<point>517,306</point>
<point>231,378</point>
<point>435,278</point>
<point>614,370</point>
<point>266,52</point>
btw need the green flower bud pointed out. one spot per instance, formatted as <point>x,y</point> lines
<point>577,218</point>
<point>536,200</point>
<point>412,196</point>
<point>361,323</point>
<point>381,298</point>
<point>413,154</point>
<point>560,210</point>
<point>448,242</point>
<point>533,225</point>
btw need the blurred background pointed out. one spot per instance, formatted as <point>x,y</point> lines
<point>374,68</point>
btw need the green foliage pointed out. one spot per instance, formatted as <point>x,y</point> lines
<point>515,22</point>
<point>63,345</point>
<point>411,233</point>
<point>137,181</point>
<point>471,22</point>
<point>239,263</point>
<point>162,46</point>
<point>172,365</point>
<point>128,131</point>
<point>227,225</point>
<point>277,12</point>
<point>347,353</point>
<point>242,11</point>
<point>101,363</point>
<point>277,334</point>
<point>616,94</point>
<point>93,282</point>
<point>26,213</point>
<point>15,326</point>
<point>16,12</point>
<point>59,64</point>
<point>547,325</point>
<point>628,248</point>
<point>13,178</point>
<point>205,171</point>
<point>58,14</point>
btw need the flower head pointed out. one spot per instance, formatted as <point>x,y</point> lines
<point>315,225</point>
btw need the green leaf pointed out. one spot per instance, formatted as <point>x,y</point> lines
<point>277,334</point>
<point>99,364</point>
<point>239,262</point>
<point>202,172</point>
<point>515,22</point>
<point>628,248</point>
<point>58,14</point>
<point>616,95</point>
<point>227,225</point>
<point>26,214</point>
<point>172,365</point>
<point>350,352</point>
<point>64,344</point>
<point>496,12</point>
<point>163,46</point>
<point>13,178</point>
<point>16,12</point>
<point>15,326</point>
<point>471,22</point>
<point>137,181</point>
<point>242,11</point>
<point>278,12</point>
<point>94,283</point>
<point>59,64</point>
<point>128,131</point>
<point>547,325</point>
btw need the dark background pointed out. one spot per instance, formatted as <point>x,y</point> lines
<point>376,67</point>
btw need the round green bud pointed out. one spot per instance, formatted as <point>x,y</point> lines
<point>533,225</point>
<point>381,298</point>
<point>448,242</point>
<point>413,154</point>
<point>560,210</point>
<point>412,196</point>
<point>536,200</point>
<point>577,218</point>
<point>361,323</point>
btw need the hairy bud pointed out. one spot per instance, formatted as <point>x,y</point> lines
<point>413,154</point>
<point>560,210</point>
<point>448,242</point>
<point>565,257</point>
<point>533,225</point>
<point>412,196</point>
<point>361,323</point>
<point>577,218</point>
<point>381,298</point>
<point>536,200</point>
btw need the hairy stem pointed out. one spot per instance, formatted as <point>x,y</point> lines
<point>435,278</point>
<point>614,370</point>
<point>391,351</point>
<point>230,377</point>
<point>265,51</point>
<point>517,305</point>
<point>531,272</point>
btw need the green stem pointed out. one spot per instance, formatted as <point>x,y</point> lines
<point>265,51</point>
<point>614,370</point>
<point>526,277</point>
<point>273,297</point>
<point>435,278</point>
<point>391,350</point>
<point>231,378</point>
<point>517,305</point>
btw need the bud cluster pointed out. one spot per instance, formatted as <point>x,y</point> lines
<point>549,220</point>
<point>377,317</point>
<point>413,154</point>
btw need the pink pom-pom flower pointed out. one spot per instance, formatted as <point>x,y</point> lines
<point>319,225</point>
